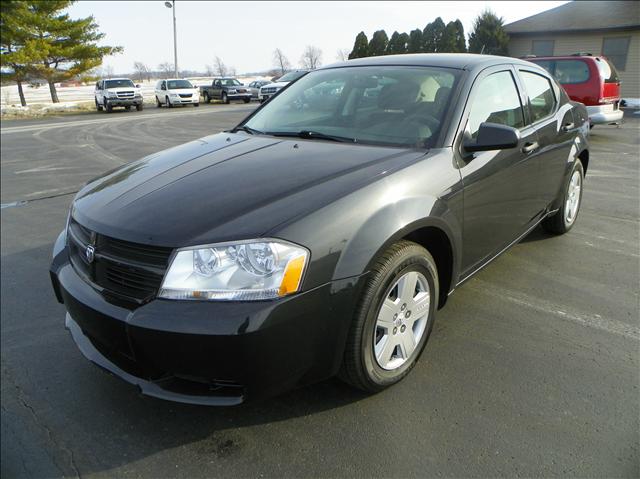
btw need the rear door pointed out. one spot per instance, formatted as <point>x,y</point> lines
<point>500,187</point>
<point>554,126</point>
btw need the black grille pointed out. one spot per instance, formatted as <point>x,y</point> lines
<point>122,270</point>
<point>185,95</point>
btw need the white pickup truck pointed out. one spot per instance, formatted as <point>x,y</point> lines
<point>117,92</point>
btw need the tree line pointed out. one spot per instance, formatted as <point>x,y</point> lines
<point>39,41</point>
<point>488,36</point>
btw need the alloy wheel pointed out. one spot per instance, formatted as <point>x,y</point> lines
<point>572,203</point>
<point>401,320</point>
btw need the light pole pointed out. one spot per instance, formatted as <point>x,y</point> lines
<point>172,5</point>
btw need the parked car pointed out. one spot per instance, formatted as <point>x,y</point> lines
<point>225,89</point>
<point>117,92</point>
<point>175,91</point>
<point>271,89</point>
<point>254,87</point>
<point>592,80</point>
<point>308,242</point>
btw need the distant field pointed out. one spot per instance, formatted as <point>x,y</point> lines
<point>41,94</point>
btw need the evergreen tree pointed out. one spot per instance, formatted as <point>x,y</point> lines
<point>415,41</point>
<point>397,44</point>
<point>453,39</point>
<point>378,43</point>
<point>432,36</point>
<point>14,60</point>
<point>59,48</point>
<point>488,35</point>
<point>360,47</point>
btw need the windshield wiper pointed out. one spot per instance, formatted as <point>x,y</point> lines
<point>247,129</point>
<point>312,135</point>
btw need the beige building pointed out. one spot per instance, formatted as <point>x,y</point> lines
<point>608,28</point>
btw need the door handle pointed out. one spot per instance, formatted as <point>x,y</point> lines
<point>568,126</point>
<point>530,146</point>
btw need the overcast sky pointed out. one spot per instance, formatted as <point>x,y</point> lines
<point>244,34</point>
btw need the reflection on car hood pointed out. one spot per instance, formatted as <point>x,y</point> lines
<point>279,84</point>
<point>228,186</point>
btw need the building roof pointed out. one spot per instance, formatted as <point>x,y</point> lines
<point>580,16</point>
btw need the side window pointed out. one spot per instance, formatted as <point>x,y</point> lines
<point>495,100</point>
<point>541,96</point>
<point>571,71</point>
<point>163,86</point>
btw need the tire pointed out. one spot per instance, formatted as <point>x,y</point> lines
<point>566,216</point>
<point>139,106</point>
<point>206,97</point>
<point>225,98</point>
<point>362,367</point>
<point>196,104</point>
<point>158,104</point>
<point>98,105</point>
<point>247,100</point>
<point>108,106</point>
<point>167,102</point>
<point>128,107</point>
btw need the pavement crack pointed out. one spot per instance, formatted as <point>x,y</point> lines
<point>21,397</point>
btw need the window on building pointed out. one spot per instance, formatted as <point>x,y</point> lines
<point>542,48</point>
<point>616,50</point>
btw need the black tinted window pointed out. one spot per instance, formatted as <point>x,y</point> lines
<point>607,71</point>
<point>541,97</point>
<point>571,71</point>
<point>496,100</point>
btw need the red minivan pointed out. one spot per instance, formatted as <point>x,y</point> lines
<point>590,80</point>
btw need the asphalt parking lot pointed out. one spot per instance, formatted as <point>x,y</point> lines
<point>532,368</point>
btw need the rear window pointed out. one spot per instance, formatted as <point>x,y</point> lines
<point>607,71</point>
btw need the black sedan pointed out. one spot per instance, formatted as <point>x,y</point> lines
<point>320,236</point>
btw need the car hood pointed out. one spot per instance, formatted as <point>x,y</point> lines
<point>227,187</point>
<point>119,89</point>
<point>177,91</point>
<point>279,84</point>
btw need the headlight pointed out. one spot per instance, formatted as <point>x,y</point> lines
<point>232,91</point>
<point>173,94</point>
<point>239,271</point>
<point>111,94</point>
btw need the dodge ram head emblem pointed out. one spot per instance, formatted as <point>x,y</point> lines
<point>90,253</point>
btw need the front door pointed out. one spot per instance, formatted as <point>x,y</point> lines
<point>501,197</point>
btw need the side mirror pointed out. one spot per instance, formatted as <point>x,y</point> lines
<point>138,85</point>
<point>493,136</point>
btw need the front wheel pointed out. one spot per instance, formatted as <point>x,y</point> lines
<point>247,100</point>
<point>566,216</point>
<point>139,107</point>
<point>196,104</point>
<point>206,97</point>
<point>393,319</point>
<point>108,106</point>
<point>158,104</point>
<point>98,105</point>
<point>225,98</point>
<point>167,102</point>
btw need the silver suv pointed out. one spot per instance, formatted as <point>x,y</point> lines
<point>117,92</point>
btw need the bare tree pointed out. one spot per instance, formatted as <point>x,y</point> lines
<point>166,69</point>
<point>142,71</point>
<point>311,58</point>
<point>209,70</point>
<point>280,61</point>
<point>219,67</point>
<point>342,54</point>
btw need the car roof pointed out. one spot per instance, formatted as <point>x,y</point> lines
<point>106,79</point>
<point>461,61</point>
<point>562,57</point>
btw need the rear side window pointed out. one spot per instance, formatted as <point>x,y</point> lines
<point>541,96</point>
<point>571,71</point>
<point>496,100</point>
<point>607,71</point>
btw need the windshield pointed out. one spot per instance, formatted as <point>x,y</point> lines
<point>230,82</point>
<point>118,84</point>
<point>291,76</point>
<point>395,106</point>
<point>178,84</point>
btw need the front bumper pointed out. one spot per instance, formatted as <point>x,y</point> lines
<point>211,353</point>
<point>185,101</point>
<point>239,96</point>
<point>125,101</point>
<point>604,114</point>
